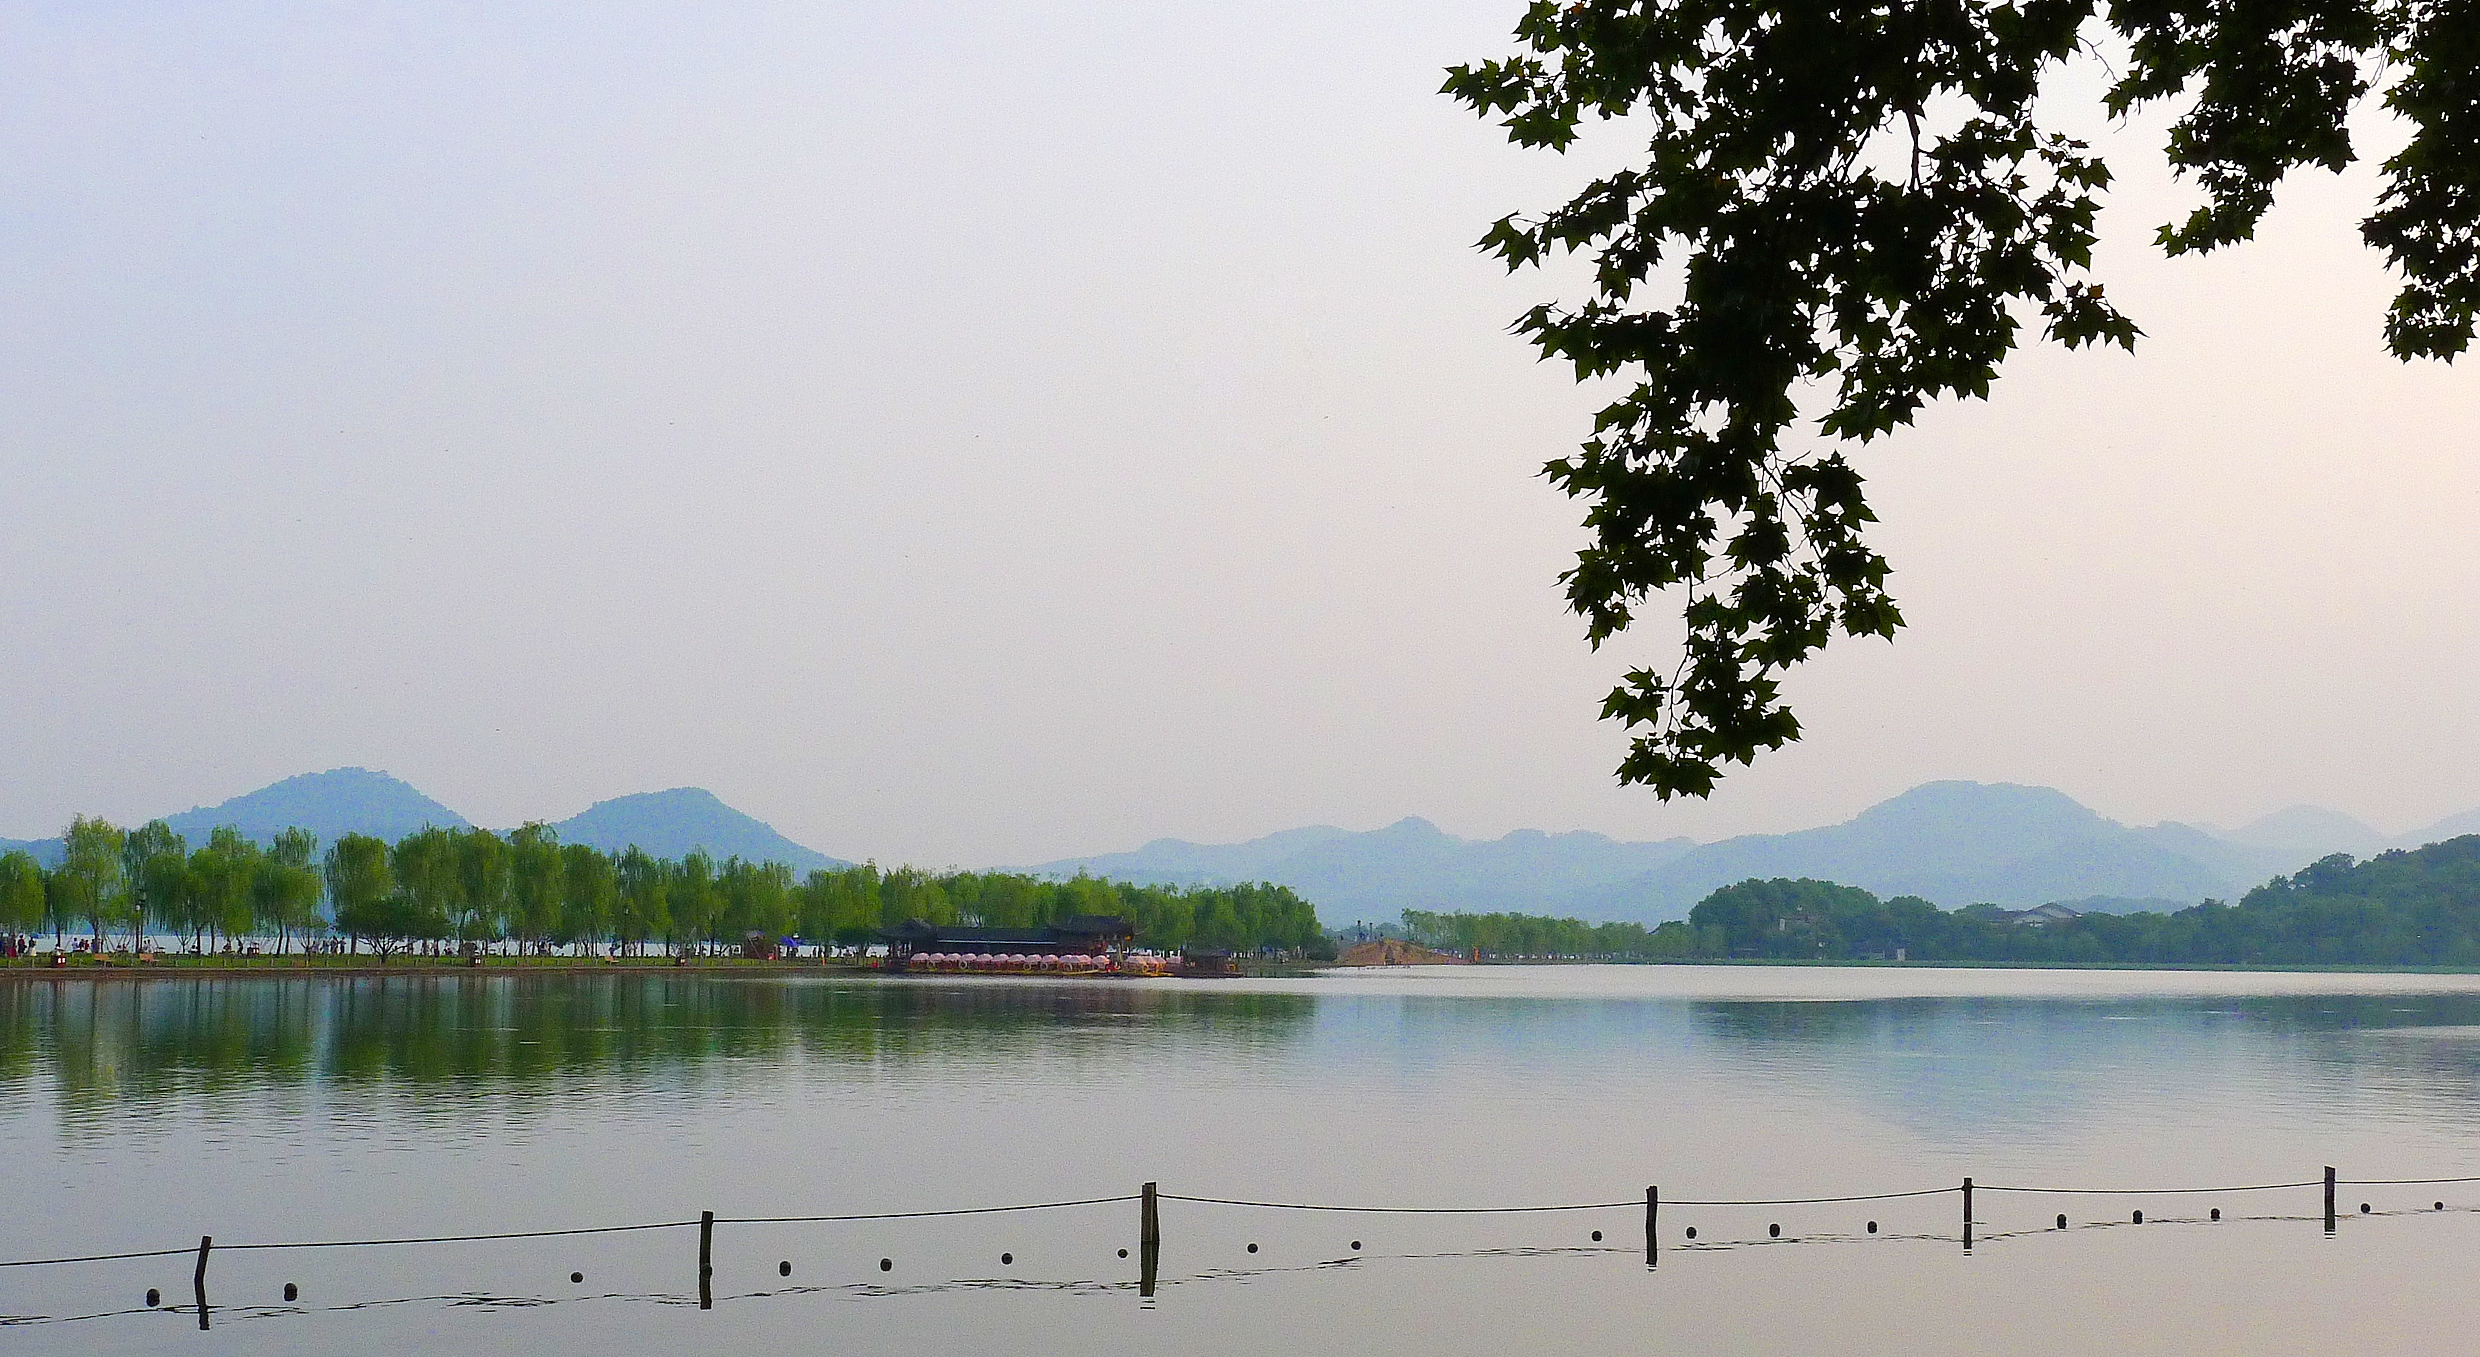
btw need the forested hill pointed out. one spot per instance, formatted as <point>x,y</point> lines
<point>2415,907</point>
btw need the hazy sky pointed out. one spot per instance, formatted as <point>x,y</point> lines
<point>974,433</point>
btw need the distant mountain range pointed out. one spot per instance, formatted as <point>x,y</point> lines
<point>1411,864</point>
<point>1953,843</point>
<point>360,801</point>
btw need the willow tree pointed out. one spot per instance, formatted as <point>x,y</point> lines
<point>223,873</point>
<point>21,892</point>
<point>285,894</point>
<point>639,910</point>
<point>588,888</point>
<point>757,900</point>
<point>155,861</point>
<point>534,882</point>
<point>1849,208</point>
<point>359,884</point>
<point>425,903</point>
<point>692,897</point>
<point>481,907</point>
<point>94,886</point>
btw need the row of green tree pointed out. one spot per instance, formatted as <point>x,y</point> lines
<point>111,882</point>
<point>1516,937</point>
<point>2405,908</point>
<point>526,887</point>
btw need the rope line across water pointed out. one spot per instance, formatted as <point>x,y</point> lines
<point>1816,1201</point>
<point>920,1215</point>
<point>2154,1191</point>
<point>555,1234</point>
<point>454,1238</point>
<point>1229,1201</point>
<point>98,1257</point>
<point>1403,1210</point>
<point>1572,1206</point>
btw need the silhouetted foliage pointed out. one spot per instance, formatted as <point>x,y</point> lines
<point>1856,204</point>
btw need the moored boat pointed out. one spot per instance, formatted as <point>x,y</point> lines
<point>1077,946</point>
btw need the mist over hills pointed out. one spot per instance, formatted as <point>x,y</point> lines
<point>1952,843</point>
<point>673,823</point>
<point>338,801</point>
<point>362,801</point>
<point>1409,864</point>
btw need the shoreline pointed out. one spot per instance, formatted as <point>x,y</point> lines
<point>291,968</point>
<point>748,968</point>
<point>274,968</point>
<point>2242,967</point>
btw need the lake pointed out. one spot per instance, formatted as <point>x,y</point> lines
<point>139,1115</point>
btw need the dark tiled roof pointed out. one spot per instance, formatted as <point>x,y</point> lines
<point>1075,928</point>
<point>914,930</point>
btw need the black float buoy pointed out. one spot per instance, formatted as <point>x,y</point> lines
<point>2062,1222</point>
<point>1252,1248</point>
<point>576,1276</point>
<point>1773,1232</point>
<point>153,1298</point>
<point>1006,1259</point>
<point>1356,1245</point>
<point>1123,1253</point>
<point>886,1264</point>
<point>2217,1213</point>
<point>1872,1227</point>
<point>2139,1217</point>
<point>784,1268</point>
<point>1597,1236</point>
<point>1691,1232</point>
<point>2363,1208</point>
<point>291,1292</point>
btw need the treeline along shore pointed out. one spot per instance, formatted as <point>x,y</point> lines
<point>2418,907</point>
<point>528,893</point>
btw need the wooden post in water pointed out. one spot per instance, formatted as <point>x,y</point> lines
<point>2329,1199</point>
<point>1967,1215</point>
<point>198,1279</point>
<point>1653,1209</point>
<point>1149,1241</point>
<point>706,1260</point>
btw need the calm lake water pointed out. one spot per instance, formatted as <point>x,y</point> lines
<point>140,1115</point>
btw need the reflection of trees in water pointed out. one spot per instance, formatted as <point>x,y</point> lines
<point>1876,1020</point>
<point>2418,1047</point>
<point>1740,1021</point>
<point>17,1029</point>
<point>104,1043</point>
<point>1953,1063</point>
